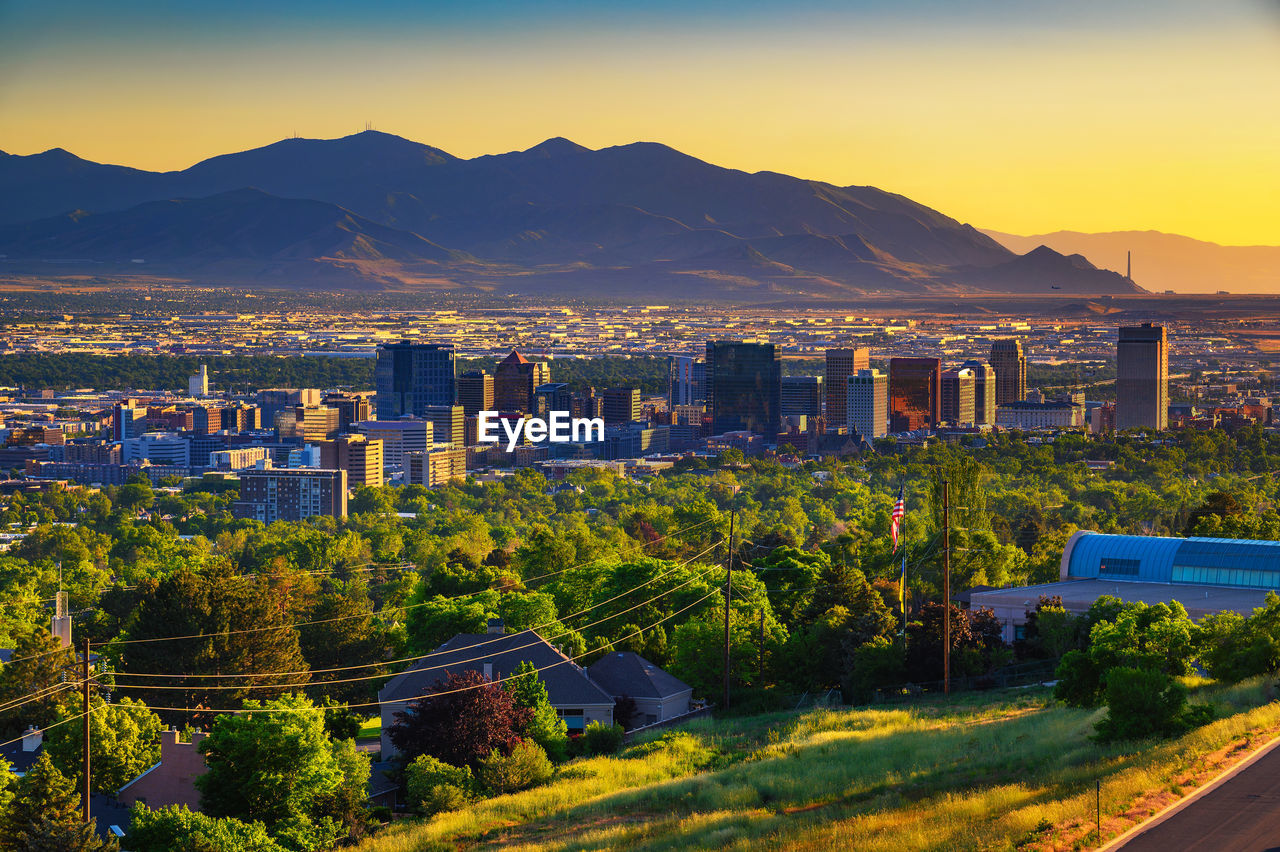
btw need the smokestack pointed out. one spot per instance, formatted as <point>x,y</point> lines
<point>1128,266</point>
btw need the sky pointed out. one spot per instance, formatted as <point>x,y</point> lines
<point>1021,116</point>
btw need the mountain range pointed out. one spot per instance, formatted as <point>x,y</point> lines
<point>1166,261</point>
<point>374,210</point>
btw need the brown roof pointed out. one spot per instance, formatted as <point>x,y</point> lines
<point>515,358</point>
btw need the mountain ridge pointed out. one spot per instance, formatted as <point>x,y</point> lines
<point>641,211</point>
<point>1164,261</point>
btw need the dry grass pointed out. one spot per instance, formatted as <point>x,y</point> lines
<point>995,772</point>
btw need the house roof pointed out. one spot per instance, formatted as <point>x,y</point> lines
<point>20,761</point>
<point>567,684</point>
<point>625,673</point>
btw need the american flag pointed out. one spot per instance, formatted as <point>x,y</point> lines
<point>895,519</point>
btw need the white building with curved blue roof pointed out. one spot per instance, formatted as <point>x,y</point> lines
<point>1205,575</point>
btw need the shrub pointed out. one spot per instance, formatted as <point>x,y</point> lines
<point>434,786</point>
<point>1079,681</point>
<point>601,739</point>
<point>1143,703</point>
<point>526,766</point>
<point>178,829</point>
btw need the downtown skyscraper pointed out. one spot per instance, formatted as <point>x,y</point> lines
<point>409,377</point>
<point>1010,364</point>
<point>744,387</point>
<point>1142,377</point>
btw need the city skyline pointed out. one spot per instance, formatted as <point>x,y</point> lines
<point>1101,117</point>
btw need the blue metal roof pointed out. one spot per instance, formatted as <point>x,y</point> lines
<point>1241,563</point>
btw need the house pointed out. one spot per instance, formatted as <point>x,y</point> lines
<point>21,754</point>
<point>658,695</point>
<point>496,654</point>
<point>172,781</point>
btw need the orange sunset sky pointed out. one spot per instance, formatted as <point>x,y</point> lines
<point>1023,117</point>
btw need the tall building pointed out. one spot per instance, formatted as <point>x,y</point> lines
<point>801,395</point>
<point>1010,364</point>
<point>958,397</point>
<point>436,467</point>
<point>275,494</point>
<point>554,396</point>
<point>128,421</point>
<point>867,404</point>
<point>447,423</point>
<point>984,392</point>
<point>744,387</point>
<point>475,392</point>
<point>621,405</point>
<point>398,437</point>
<point>915,393</point>
<point>198,385</point>
<point>310,424</point>
<point>688,381</point>
<point>841,364</point>
<point>351,407</point>
<point>359,456</point>
<point>1142,377</point>
<point>410,376</point>
<point>516,380</point>
<point>271,401</point>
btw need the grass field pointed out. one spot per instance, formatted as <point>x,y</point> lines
<point>1011,770</point>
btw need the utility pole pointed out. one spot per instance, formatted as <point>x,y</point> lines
<point>728,593</point>
<point>946,587</point>
<point>84,673</point>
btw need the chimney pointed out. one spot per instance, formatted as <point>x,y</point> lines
<point>488,671</point>
<point>495,626</point>
<point>31,739</point>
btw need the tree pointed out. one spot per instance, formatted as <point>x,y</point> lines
<point>39,667</point>
<point>460,721</point>
<point>277,767</point>
<point>243,627</point>
<point>124,742</point>
<point>135,496</point>
<point>342,631</point>
<point>178,829</point>
<point>545,727</point>
<point>45,815</point>
<point>1144,703</point>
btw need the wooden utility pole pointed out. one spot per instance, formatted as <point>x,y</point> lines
<point>84,674</point>
<point>728,593</point>
<point>946,587</point>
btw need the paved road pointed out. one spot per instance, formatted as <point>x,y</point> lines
<point>1241,815</point>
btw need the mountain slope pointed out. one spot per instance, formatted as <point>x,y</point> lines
<point>1166,261</point>
<point>638,212</point>
<point>242,224</point>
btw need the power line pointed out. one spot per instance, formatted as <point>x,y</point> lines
<point>636,632</point>
<point>48,727</point>
<point>117,642</point>
<point>558,620</point>
<point>381,675</point>
<point>41,694</point>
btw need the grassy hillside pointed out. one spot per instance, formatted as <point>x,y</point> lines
<point>1004,771</point>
